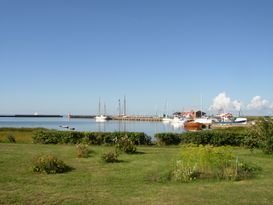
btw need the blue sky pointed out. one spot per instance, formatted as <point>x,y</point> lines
<point>60,56</point>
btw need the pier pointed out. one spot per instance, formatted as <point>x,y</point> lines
<point>117,117</point>
<point>137,118</point>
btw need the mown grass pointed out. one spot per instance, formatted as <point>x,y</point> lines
<point>134,180</point>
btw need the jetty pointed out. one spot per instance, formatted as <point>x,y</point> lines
<point>137,118</point>
<point>82,116</point>
<point>32,115</point>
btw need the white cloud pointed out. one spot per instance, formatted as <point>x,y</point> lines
<point>237,105</point>
<point>220,103</point>
<point>258,103</point>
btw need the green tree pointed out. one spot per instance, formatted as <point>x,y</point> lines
<point>261,135</point>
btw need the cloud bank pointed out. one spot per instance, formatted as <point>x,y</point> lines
<point>223,103</point>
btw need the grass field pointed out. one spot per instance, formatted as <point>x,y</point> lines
<point>135,180</point>
<point>22,135</point>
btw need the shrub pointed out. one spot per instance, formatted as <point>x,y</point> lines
<point>96,138</point>
<point>168,138</point>
<point>261,135</point>
<point>49,164</point>
<point>11,138</point>
<point>218,137</point>
<point>45,137</point>
<point>110,157</point>
<point>125,144</point>
<point>82,150</point>
<point>209,162</point>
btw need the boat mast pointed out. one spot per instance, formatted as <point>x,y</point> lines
<point>99,106</point>
<point>201,96</point>
<point>124,106</point>
<point>119,108</point>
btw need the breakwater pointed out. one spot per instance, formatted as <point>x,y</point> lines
<point>26,115</point>
<point>82,116</point>
<point>137,118</point>
<point>128,118</point>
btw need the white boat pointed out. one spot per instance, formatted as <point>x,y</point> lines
<point>204,120</point>
<point>100,117</point>
<point>241,120</point>
<point>166,120</point>
<point>64,126</point>
<point>178,120</point>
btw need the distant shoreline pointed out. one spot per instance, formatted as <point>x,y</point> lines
<point>59,116</point>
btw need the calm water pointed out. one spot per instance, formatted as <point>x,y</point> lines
<point>149,128</point>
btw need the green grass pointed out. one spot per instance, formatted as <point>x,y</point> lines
<point>22,135</point>
<point>131,181</point>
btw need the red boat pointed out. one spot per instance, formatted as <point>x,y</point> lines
<point>193,126</point>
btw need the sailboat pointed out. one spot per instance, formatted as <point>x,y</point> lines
<point>165,118</point>
<point>100,117</point>
<point>202,119</point>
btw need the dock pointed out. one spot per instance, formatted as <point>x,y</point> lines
<point>27,115</point>
<point>82,116</point>
<point>137,118</point>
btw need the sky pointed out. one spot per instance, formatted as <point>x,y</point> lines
<point>61,56</point>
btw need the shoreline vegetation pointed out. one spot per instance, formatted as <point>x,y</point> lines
<point>205,167</point>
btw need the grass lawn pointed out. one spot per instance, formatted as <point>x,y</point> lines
<point>132,181</point>
<point>22,135</point>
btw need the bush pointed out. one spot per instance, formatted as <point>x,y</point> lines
<point>208,162</point>
<point>168,138</point>
<point>218,137</point>
<point>49,164</point>
<point>125,144</point>
<point>11,138</point>
<point>96,138</point>
<point>261,135</point>
<point>82,150</point>
<point>110,157</point>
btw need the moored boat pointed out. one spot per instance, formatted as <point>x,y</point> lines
<point>241,120</point>
<point>193,126</point>
<point>101,118</point>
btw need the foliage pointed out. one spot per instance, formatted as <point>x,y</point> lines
<point>168,138</point>
<point>110,157</point>
<point>95,138</point>
<point>125,144</point>
<point>119,182</point>
<point>49,164</point>
<point>22,135</point>
<point>210,163</point>
<point>82,150</point>
<point>11,138</point>
<point>261,135</point>
<point>219,137</point>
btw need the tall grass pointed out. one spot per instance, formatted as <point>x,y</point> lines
<point>208,162</point>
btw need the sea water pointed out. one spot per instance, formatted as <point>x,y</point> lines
<point>150,128</point>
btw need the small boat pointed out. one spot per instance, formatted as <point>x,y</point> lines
<point>166,119</point>
<point>101,118</point>
<point>64,126</point>
<point>204,120</point>
<point>241,120</point>
<point>193,126</point>
<point>178,120</point>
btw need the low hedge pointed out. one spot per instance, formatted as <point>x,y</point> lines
<point>168,138</point>
<point>219,137</point>
<point>96,138</point>
<point>213,137</point>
